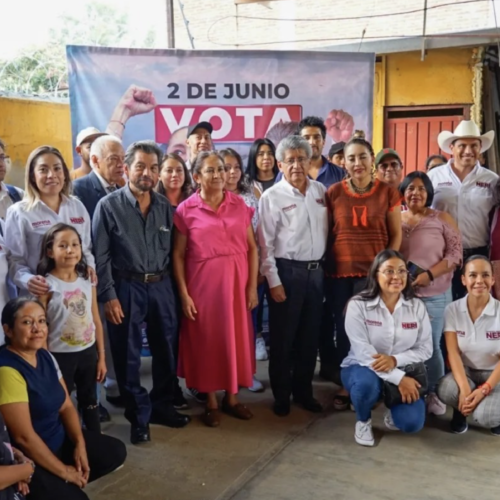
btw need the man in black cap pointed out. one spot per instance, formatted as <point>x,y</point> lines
<point>199,138</point>
<point>336,154</point>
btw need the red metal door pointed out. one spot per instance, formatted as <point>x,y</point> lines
<point>414,137</point>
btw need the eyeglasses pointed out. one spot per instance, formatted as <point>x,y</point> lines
<point>292,161</point>
<point>4,157</point>
<point>390,273</point>
<point>115,160</point>
<point>395,165</point>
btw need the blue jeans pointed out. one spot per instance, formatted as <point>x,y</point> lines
<point>435,308</point>
<point>365,388</point>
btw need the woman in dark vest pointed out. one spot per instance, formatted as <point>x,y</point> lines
<point>39,414</point>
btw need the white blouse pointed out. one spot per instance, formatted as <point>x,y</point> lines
<point>405,334</point>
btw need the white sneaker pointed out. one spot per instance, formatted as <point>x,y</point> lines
<point>389,423</point>
<point>256,386</point>
<point>363,433</point>
<point>435,405</point>
<point>260,350</point>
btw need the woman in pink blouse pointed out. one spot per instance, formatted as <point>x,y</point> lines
<point>432,247</point>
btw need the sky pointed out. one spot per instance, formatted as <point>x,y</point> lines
<point>27,22</point>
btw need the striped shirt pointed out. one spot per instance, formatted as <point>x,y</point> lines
<point>126,240</point>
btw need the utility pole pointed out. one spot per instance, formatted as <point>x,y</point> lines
<point>170,24</point>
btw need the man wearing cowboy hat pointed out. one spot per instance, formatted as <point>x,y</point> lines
<point>464,189</point>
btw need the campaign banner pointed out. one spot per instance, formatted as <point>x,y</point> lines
<point>245,95</point>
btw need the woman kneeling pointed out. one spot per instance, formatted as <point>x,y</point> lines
<point>472,334</point>
<point>390,335</point>
<point>39,414</point>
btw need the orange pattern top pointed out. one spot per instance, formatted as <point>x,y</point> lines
<point>359,231</point>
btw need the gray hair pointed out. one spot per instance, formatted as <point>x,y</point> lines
<point>98,146</point>
<point>293,142</point>
<point>148,147</point>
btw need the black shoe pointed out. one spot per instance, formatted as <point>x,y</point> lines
<point>139,434</point>
<point>169,418</point>
<point>281,408</point>
<point>117,401</point>
<point>458,424</point>
<point>309,404</point>
<point>104,415</point>
<point>180,402</point>
<point>200,397</point>
<point>495,430</point>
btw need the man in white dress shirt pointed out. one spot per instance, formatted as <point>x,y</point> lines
<point>292,233</point>
<point>464,189</point>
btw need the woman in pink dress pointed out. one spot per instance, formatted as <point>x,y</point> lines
<point>215,265</point>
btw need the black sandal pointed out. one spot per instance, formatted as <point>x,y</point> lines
<point>341,403</point>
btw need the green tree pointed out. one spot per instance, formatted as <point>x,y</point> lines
<point>43,70</point>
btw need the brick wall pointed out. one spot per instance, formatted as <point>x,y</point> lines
<point>220,24</point>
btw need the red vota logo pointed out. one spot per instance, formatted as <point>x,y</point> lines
<point>77,220</point>
<point>231,123</point>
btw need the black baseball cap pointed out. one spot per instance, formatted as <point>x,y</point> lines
<point>204,125</point>
<point>336,148</point>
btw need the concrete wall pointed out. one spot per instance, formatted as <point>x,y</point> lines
<point>26,124</point>
<point>302,24</point>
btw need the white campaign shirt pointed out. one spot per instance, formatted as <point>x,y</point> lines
<point>291,226</point>
<point>6,200</point>
<point>372,329</point>
<point>69,314</point>
<point>468,202</point>
<point>479,342</point>
<point>4,272</point>
<point>24,230</point>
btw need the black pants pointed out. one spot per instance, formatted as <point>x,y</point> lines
<point>80,369</point>
<point>105,454</point>
<point>153,303</point>
<point>338,291</point>
<point>327,338</point>
<point>457,288</point>
<point>295,326</point>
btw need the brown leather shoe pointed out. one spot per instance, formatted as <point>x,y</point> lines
<point>211,418</point>
<point>239,410</point>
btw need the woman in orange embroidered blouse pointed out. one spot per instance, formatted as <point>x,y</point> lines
<point>366,218</point>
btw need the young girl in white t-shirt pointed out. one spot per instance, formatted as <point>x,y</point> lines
<point>75,328</point>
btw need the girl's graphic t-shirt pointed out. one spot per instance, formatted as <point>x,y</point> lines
<point>69,314</point>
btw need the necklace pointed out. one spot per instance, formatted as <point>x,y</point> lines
<point>410,228</point>
<point>358,190</point>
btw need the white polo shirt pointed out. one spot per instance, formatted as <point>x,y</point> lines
<point>468,202</point>
<point>6,200</point>
<point>291,226</point>
<point>479,342</point>
<point>372,329</point>
<point>24,230</point>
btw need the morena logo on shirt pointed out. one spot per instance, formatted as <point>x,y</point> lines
<point>449,183</point>
<point>371,322</point>
<point>409,326</point>
<point>320,201</point>
<point>493,335</point>
<point>77,220</point>
<point>41,223</point>
<point>460,333</point>
<point>290,207</point>
<point>483,184</point>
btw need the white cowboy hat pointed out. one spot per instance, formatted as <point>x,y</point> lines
<point>466,129</point>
